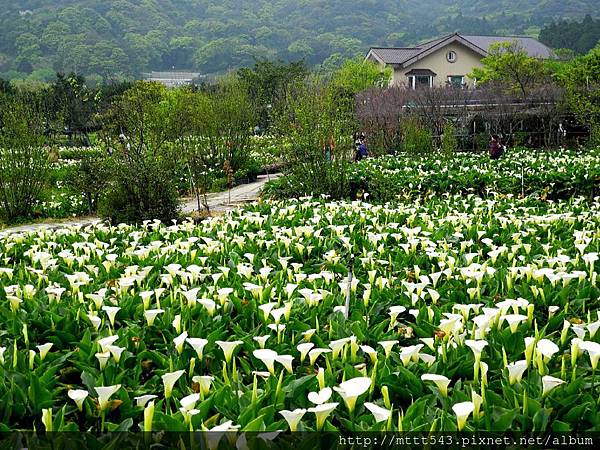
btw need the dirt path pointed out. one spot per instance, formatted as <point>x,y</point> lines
<point>218,202</point>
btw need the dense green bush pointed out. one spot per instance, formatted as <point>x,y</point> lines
<point>138,191</point>
<point>90,178</point>
<point>143,168</point>
<point>249,171</point>
<point>316,124</point>
<point>481,141</point>
<point>416,139</point>
<point>449,142</point>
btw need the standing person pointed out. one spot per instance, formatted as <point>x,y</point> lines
<point>496,149</point>
<point>361,150</point>
<point>328,148</point>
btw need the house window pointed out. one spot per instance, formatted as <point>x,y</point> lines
<point>456,80</point>
<point>420,81</point>
<point>451,56</point>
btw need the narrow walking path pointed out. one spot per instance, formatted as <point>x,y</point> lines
<point>220,201</point>
<point>217,202</point>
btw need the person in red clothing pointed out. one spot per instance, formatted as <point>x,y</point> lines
<point>496,149</point>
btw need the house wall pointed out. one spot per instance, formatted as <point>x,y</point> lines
<point>466,60</point>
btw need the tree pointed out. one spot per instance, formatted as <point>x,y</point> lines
<point>580,37</point>
<point>357,75</point>
<point>91,178</point>
<point>143,173</point>
<point>318,126</point>
<point>73,102</point>
<point>5,87</point>
<point>23,160</point>
<point>509,65</point>
<point>581,79</point>
<point>448,141</point>
<point>268,83</point>
<point>217,126</point>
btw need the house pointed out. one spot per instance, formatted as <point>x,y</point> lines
<point>172,79</point>
<point>446,60</point>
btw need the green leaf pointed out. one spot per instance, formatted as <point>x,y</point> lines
<point>502,419</point>
<point>88,380</point>
<point>39,396</point>
<point>255,425</point>
<point>540,419</point>
<point>559,426</point>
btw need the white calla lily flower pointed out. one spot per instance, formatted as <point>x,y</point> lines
<point>549,383</point>
<point>228,348</point>
<point>293,418</point>
<point>268,358</point>
<point>104,394</point>
<point>204,382</point>
<point>321,412</point>
<point>387,347</point>
<point>78,396</point>
<point>179,341</point>
<point>198,345</point>
<point>169,380</point>
<point>351,389</point>
<point>516,370</point>
<point>318,398</point>
<point>380,414</point>
<point>44,349</point>
<point>462,411</point>
<point>142,400</point>
<point>440,381</point>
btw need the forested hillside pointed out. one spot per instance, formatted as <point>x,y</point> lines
<point>125,37</point>
<point>580,37</point>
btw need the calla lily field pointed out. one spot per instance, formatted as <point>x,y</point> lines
<point>454,313</point>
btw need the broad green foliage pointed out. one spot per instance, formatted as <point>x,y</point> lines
<point>356,75</point>
<point>464,313</point>
<point>509,65</point>
<point>581,78</point>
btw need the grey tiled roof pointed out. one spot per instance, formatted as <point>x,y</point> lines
<point>531,45</point>
<point>399,55</point>
<point>395,55</point>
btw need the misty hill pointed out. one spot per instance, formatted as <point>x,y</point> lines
<point>126,37</point>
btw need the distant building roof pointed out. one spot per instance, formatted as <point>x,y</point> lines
<point>172,79</point>
<point>175,75</point>
<point>479,44</point>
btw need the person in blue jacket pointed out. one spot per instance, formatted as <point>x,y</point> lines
<point>361,150</point>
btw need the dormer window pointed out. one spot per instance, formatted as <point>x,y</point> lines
<point>451,56</point>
